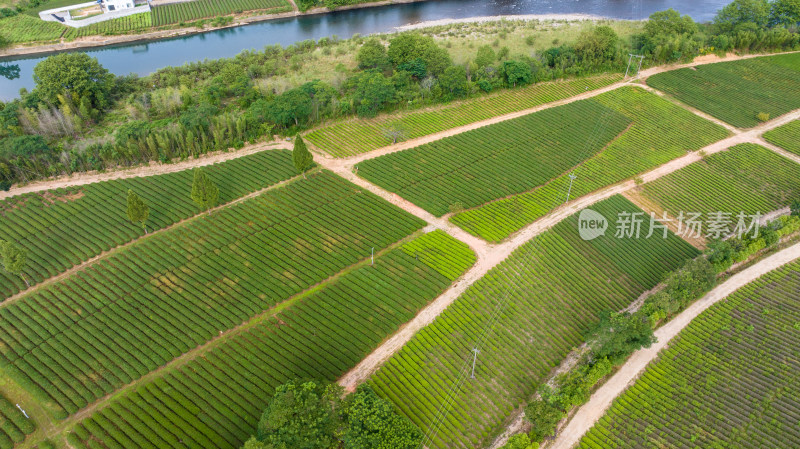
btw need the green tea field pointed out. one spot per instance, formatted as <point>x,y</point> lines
<point>216,400</point>
<point>737,92</point>
<point>786,137</point>
<point>729,380</point>
<point>547,313</point>
<point>64,227</point>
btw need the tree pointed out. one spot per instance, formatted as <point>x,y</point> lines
<point>454,81</point>
<point>597,47</point>
<point>14,259</point>
<point>520,441</point>
<point>204,192</point>
<point>544,418</point>
<point>407,47</point>
<point>291,106</point>
<point>669,23</point>
<point>785,13</point>
<point>372,91</point>
<point>75,74</point>
<point>619,334</point>
<point>485,56</point>
<point>372,423</point>
<point>795,208</point>
<point>301,157</point>
<point>394,132</point>
<point>301,416</point>
<point>516,72</point>
<point>741,12</point>
<point>138,211</point>
<point>372,55</point>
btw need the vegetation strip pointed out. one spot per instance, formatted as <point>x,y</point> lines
<point>695,379</point>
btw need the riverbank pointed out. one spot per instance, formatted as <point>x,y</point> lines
<point>522,17</point>
<point>153,36</point>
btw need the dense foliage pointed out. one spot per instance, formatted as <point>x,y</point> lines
<point>312,416</point>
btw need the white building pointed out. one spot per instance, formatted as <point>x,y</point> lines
<point>116,5</point>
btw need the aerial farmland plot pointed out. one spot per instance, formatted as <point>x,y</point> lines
<point>216,400</point>
<point>728,380</point>
<point>746,178</point>
<point>63,227</point>
<point>738,92</point>
<point>546,316</point>
<point>786,137</point>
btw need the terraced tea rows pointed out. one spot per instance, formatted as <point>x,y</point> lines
<point>746,178</point>
<point>560,285</point>
<point>487,163</point>
<point>351,137</point>
<point>216,401</point>
<point>23,28</point>
<point>200,9</point>
<point>124,316</point>
<point>61,228</point>
<point>14,426</point>
<point>660,131</point>
<point>738,91</point>
<point>786,137</point>
<point>137,22</point>
<point>730,379</point>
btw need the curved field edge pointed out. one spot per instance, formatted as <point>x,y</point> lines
<point>546,314</point>
<point>356,136</point>
<point>660,131</point>
<point>216,400</point>
<point>60,228</point>
<point>745,342</point>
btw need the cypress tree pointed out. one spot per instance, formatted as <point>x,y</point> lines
<point>301,157</point>
<point>138,211</point>
<point>204,192</point>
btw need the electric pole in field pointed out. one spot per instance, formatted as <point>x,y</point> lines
<point>572,177</point>
<point>475,351</point>
<point>638,66</point>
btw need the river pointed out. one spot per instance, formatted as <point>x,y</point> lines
<point>144,58</point>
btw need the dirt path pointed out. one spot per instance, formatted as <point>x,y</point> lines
<point>490,255</point>
<point>105,254</point>
<point>777,149</point>
<point>601,400</point>
<point>154,168</point>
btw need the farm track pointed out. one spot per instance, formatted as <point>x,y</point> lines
<point>152,169</point>
<point>588,414</point>
<point>488,255</point>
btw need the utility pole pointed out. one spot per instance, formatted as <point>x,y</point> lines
<point>630,59</point>
<point>373,255</point>
<point>475,352</point>
<point>23,411</point>
<point>572,177</point>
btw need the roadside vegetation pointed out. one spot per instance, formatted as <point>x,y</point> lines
<point>186,111</point>
<point>691,396</point>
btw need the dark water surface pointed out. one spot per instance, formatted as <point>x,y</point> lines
<point>144,58</point>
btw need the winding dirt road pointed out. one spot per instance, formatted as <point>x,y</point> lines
<point>601,400</point>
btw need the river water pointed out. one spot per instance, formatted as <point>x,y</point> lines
<point>144,58</point>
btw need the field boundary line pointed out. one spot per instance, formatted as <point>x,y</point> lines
<point>776,149</point>
<point>491,255</point>
<point>59,427</point>
<point>602,399</point>
<point>152,169</point>
<point>105,254</point>
<point>692,109</point>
